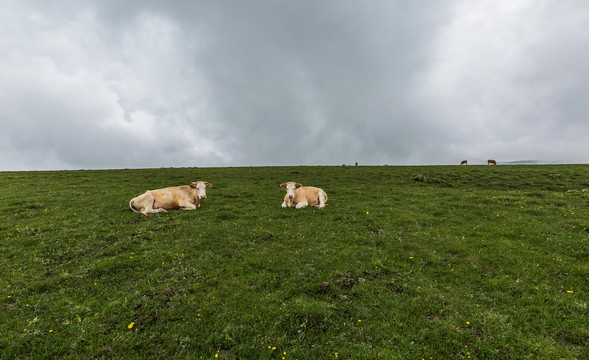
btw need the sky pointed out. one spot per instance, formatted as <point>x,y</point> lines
<point>115,84</point>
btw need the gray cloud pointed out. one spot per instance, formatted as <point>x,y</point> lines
<point>150,84</point>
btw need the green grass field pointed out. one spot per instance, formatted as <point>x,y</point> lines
<point>432,262</point>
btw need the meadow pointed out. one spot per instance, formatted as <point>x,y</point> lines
<point>404,262</point>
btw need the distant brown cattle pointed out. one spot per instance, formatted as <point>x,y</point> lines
<point>464,162</point>
<point>491,162</point>
<point>356,164</point>
<point>178,197</point>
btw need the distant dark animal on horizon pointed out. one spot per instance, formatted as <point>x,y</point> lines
<point>491,162</point>
<point>464,162</point>
<point>356,164</point>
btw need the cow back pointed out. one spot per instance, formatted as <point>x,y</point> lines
<point>171,197</point>
<point>309,194</point>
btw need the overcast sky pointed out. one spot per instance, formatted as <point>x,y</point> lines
<point>134,84</point>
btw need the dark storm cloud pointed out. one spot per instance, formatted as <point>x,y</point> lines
<point>111,84</point>
<point>311,84</point>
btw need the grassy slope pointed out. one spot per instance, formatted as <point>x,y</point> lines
<point>422,262</point>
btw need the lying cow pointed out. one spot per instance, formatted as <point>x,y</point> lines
<point>302,196</point>
<point>185,197</point>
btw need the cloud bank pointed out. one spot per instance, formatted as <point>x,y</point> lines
<point>145,84</point>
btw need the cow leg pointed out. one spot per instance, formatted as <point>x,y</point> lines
<point>302,204</point>
<point>288,203</point>
<point>321,201</point>
<point>153,211</point>
<point>152,208</point>
<point>187,206</point>
<point>149,204</point>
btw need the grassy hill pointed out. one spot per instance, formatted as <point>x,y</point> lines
<point>452,262</point>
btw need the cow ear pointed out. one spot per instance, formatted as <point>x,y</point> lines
<point>209,185</point>
<point>283,185</point>
<point>193,185</point>
<point>297,185</point>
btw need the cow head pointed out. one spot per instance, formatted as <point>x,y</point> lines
<point>201,187</point>
<point>290,188</point>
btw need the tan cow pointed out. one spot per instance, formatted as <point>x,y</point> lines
<point>185,197</point>
<point>301,196</point>
<point>491,162</point>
